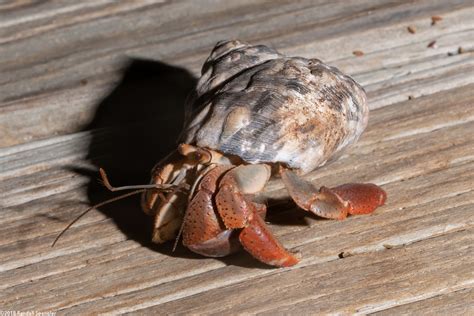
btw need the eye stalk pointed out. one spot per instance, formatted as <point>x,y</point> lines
<point>198,155</point>
<point>195,154</point>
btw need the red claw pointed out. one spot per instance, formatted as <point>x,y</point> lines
<point>335,203</point>
<point>219,212</point>
<point>363,198</point>
<point>257,239</point>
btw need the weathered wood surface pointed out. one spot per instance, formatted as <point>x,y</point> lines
<point>89,84</point>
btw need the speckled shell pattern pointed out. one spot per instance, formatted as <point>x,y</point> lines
<point>262,106</point>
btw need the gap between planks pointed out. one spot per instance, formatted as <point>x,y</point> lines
<point>452,303</point>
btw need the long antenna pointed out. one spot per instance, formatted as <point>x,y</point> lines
<point>106,182</point>
<point>91,208</point>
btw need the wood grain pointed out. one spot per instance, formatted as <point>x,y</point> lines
<point>102,83</point>
<point>457,302</point>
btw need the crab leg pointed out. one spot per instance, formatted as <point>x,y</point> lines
<point>257,240</point>
<point>261,209</point>
<point>237,212</point>
<point>334,203</point>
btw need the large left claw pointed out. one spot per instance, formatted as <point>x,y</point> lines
<point>237,212</point>
<point>221,215</point>
<point>334,203</point>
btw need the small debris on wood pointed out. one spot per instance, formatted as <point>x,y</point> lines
<point>411,29</point>
<point>387,246</point>
<point>344,254</point>
<point>435,19</point>
<point>432,44</point>
<point>410,97</point>
<point>461,50</point>
<point>83,82</point>
<point>358,53</point>
<point>451,54</point>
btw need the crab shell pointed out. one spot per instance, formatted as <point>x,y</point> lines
<point>257,104</point>
<point>254,109</point>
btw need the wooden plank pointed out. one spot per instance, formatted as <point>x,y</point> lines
<point>52,72</point>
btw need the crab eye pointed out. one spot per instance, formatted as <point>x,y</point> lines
<point>202,156</point>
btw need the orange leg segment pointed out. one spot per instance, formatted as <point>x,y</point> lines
<point>257,239</point>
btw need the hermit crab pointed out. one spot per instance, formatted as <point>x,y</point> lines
<point>256,114</point>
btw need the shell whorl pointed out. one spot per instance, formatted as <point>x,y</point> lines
<point>262,106</point>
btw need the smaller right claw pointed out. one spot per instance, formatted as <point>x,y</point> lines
<point>363,198</point>
<point>333,203</point>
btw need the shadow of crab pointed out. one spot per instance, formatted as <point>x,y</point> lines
<point>135,126</point>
